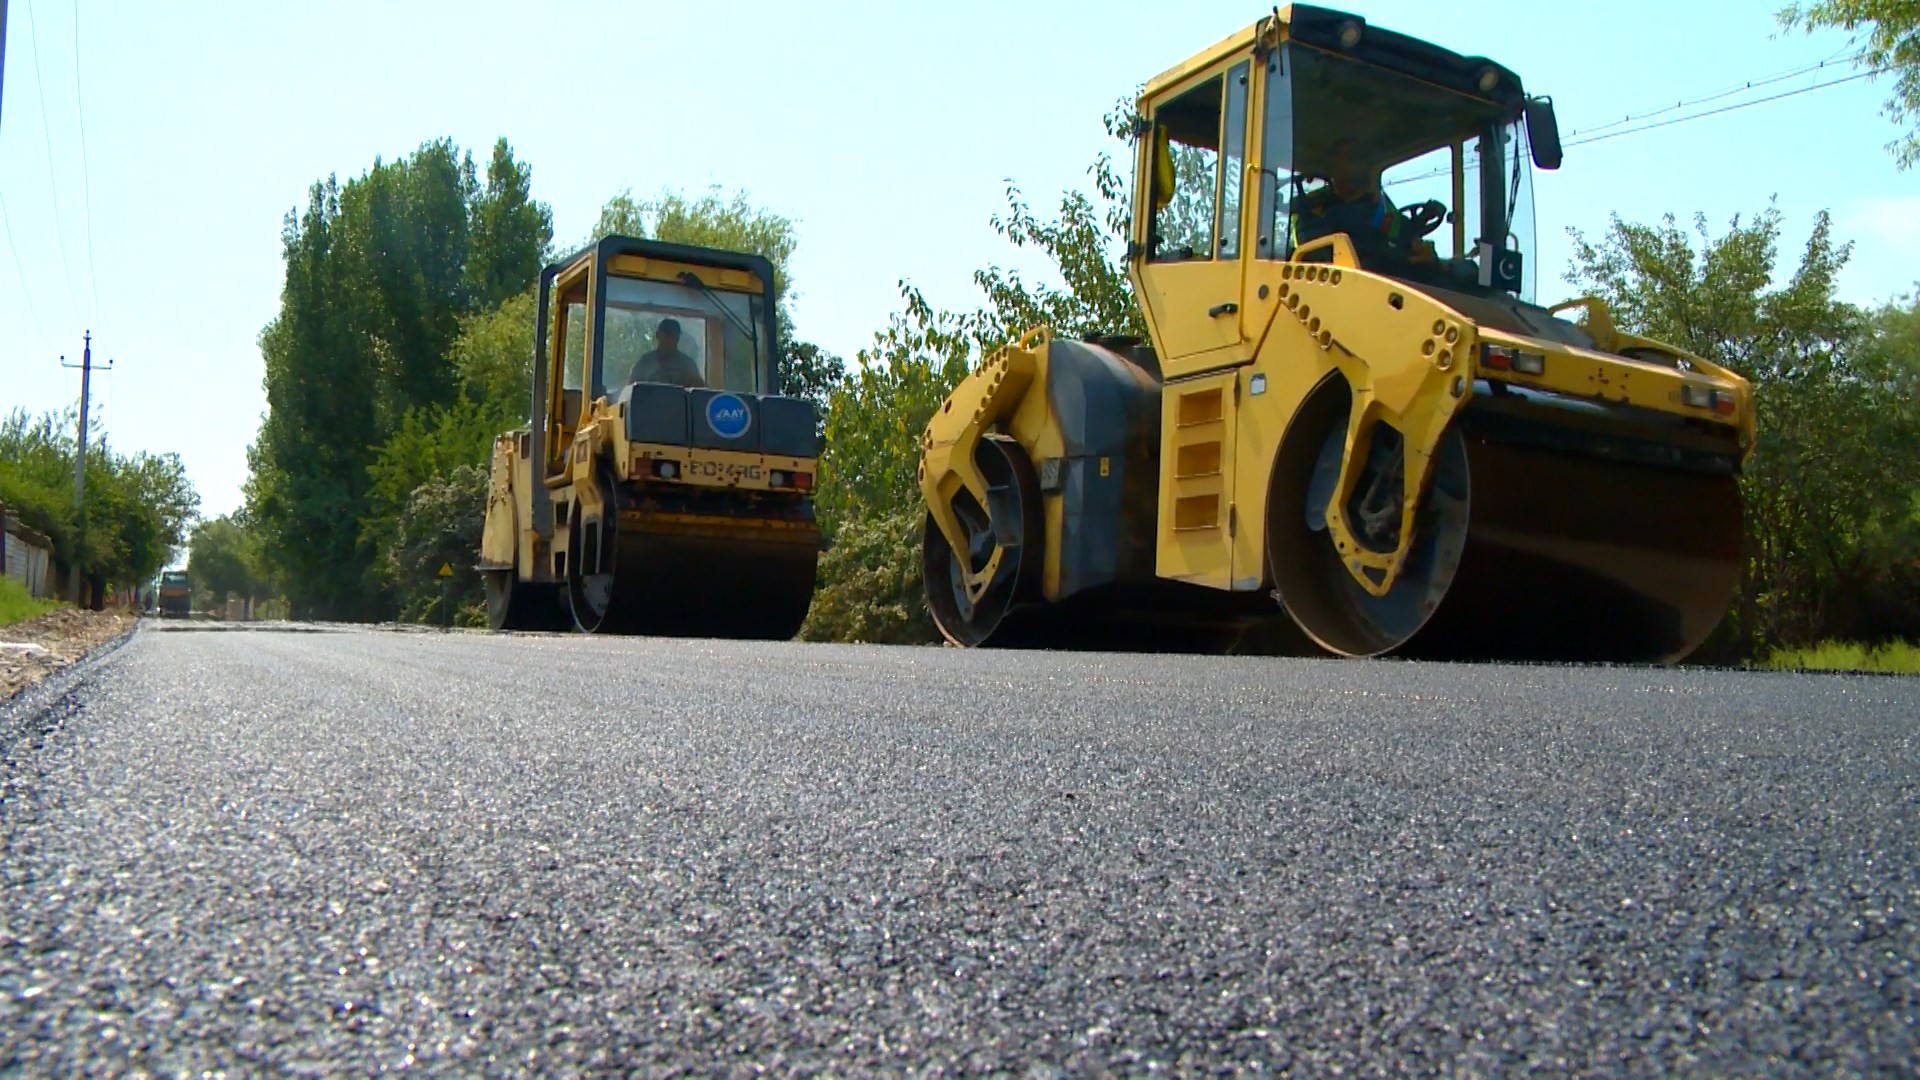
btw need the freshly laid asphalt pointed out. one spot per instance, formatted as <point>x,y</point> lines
<point>341,851</point>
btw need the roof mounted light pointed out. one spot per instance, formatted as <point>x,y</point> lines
<point>1349,34</point>
<point>1489,78</point>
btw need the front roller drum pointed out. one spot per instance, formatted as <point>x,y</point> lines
<point>628,580</point>
<point>1520,552</point>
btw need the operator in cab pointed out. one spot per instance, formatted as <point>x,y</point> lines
<point>665,363</point>
<point>1350,203</point>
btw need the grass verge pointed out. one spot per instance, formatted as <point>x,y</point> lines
<point>17,605</point>
<point>1898,658</point>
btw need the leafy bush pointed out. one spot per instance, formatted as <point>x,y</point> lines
<point>870,585</point>
<point>440,525</point>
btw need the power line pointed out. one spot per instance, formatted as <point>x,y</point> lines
<point>1593,138</point>
<point>46,129</point>
<point>1729,108</point>
<point>26,291</point>
<point>1750,84</point>
<point>86,180</point>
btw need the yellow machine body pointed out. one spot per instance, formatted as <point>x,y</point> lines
<point>1352,431</point>
<point>650,497</point>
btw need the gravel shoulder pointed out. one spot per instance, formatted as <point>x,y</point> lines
<point>35,648</point>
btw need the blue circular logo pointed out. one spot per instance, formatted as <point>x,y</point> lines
<point>728,416</point>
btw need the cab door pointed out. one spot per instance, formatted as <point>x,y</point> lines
<point>1190,270</point>
<point>566,360</point>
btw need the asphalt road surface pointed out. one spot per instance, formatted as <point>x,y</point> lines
<point>348,851</point>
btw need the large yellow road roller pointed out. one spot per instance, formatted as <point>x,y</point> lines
<point>662,485</point>
<point>1354,430</point>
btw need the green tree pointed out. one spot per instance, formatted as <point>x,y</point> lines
<point>307,478</point>
<point>1830,493</point>
<point>219,562</point>
<point>511,233</point>
<point>493,356</point>
<point>405,239</point>
<point>810,372</point>
<point>734,223</point>
<point>870,467</point>
<point>383,276</point>
<point>36,477</point>
<point>873,593</point>
<point>729,223</point>
<point>137,508</point>
<point>1893,46</point>
<point>869,475</point>
<point>430,444</point>
<point>1086,247</point>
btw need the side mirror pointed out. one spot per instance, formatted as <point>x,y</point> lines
<point>1543,133</point>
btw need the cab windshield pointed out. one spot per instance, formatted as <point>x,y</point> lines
<point>667,332</point>
<point>1418,176</point>
<point>1429,184</point>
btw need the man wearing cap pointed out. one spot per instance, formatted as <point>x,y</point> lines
<point>1352,203</point>
<point>666,363</point>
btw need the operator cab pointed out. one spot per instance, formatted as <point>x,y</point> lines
<point>1317,124</point>
<point>681,339</point>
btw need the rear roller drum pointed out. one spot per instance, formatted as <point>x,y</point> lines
<point>521,605</point>
<point>1009,523</point>
<point>625,580</point>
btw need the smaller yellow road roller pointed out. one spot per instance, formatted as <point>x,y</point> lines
<point>662,485</point>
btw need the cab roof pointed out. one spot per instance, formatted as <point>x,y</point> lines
<point>1321,27</point>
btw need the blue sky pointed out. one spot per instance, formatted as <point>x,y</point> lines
<point>887,131</point>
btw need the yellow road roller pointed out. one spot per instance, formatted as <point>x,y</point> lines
<point>1354,430</point>
<point>663,485</point>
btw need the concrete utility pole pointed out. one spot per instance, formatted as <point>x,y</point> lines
<point>80,462</point>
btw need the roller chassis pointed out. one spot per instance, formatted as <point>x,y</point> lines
<point>1444,414</point>
<point>1334,439</point>
<point>659,509</point>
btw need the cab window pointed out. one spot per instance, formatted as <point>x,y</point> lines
<point>1185,174</point>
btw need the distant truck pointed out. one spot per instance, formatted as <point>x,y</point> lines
<point>176,594</point>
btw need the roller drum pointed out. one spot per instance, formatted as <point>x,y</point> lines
<point>1522,552</point>
<point>715,583</point>
<point>1131,616</point>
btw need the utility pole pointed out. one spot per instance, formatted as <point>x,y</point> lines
<point>80,462</point>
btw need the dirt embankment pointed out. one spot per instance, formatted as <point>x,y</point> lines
<point>38,647</point>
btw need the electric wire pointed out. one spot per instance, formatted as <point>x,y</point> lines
<point>1730,108</point>
<point>1594,138</point>
<point>26,290</point>
<point>86,179</point>
<point>1750,84</point>
<point>46,130</point>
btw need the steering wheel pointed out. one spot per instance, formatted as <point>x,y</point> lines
<point>1424,217</point>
